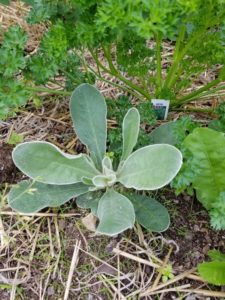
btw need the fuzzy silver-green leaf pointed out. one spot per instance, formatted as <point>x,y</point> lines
<point>88,111</point>
<point>44,162</point>
<point>150,167</point>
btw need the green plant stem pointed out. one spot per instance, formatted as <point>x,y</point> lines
<point>159,64</point>
<point>85,64</point>
<point>98,74</point>
<point>195,94</point>
<point>179,54</point>
<point>47,90</point>
<point>176,55</point>
<point>124,88</point>
<point>198,110</point>
<point>114,72</point>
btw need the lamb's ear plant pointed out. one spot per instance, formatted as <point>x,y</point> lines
<point>57,177</point>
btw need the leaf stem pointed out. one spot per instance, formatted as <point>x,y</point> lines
<point>159,64</point>
<point>47,90</point>
<point>195,94</point>
<point>116,73</point>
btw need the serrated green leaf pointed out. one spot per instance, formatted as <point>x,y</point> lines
<point>213,272</point>
<point>30,197</point>
<point>88,111</point>
<point>131,125</point>
<point>151,214</point>
<point>46,163</point>
<point>115,212</point>
<point>150,167</point>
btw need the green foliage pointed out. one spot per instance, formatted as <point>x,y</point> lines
<point>55,173</point>
<point>5,2</point>
<point>13,93</point>
<point>214,271</point>
<point>164,134</point>
<point>116,110</point>
<point>131,35</point>
<point>208,159</point>
<point>91,115</point>
<point>30,197</point>
<point>15,138</point>
<point>151,214</point>
<point>219,124</point>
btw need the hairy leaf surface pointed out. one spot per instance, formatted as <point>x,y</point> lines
<point>131,124</point>
<point>150,167</point>
<point>88,111</point>
<point>164,134</point>
<point>30,197</point>
<point>89,200</point>
<point>46,163</point>
<point>115,212</point>
<point>150,213</point>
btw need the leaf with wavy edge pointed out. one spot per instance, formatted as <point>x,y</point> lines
<point>46,163</point>
<point>31,197</point>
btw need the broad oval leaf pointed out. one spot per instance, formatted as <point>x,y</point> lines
<point>115,212</point>
<point>213,272</point>
<point>88,111</point>
<point>131,125</point>
<point>150,167</point>
<point>31,197</point>
<point>164,134</point>
<point>208,149</point>
<point>46,163</point>
<point>151,214</point>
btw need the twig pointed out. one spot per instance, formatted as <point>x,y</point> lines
<point>12,213</point>
<point>72,267</point>
<point>135,258</point>
<point>205,293</point>
<point>165,262</point>
<point>50,239</point>
<point>115,290</point>
<point>161,286</point>
<point>173,289</point>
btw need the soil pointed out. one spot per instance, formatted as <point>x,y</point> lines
<point>190,232</point>
<point>8,171</point>
<point>190,229</point>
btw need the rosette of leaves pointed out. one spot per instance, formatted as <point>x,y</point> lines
<point>57,177</point>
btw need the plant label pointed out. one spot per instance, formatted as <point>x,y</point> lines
<point>161,108</point>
